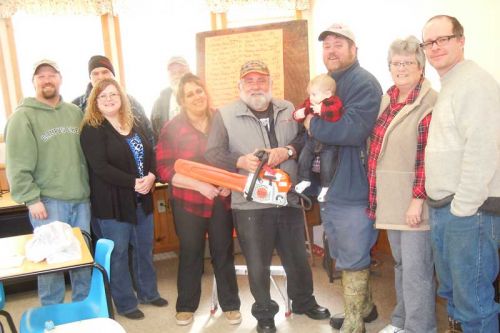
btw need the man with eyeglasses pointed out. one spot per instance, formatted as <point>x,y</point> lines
<point>462,165</point>
<point>46,169</point>
<point>259,121</point>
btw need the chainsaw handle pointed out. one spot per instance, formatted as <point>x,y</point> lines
<point>305,202</point>
<point>263,156</point>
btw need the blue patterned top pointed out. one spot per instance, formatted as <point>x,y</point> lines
<point>135,143</point>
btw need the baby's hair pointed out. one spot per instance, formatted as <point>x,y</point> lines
<point>324,82</point>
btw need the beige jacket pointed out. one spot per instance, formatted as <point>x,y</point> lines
<point>396,162</point>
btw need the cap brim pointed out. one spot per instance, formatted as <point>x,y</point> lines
<point>255,71</point>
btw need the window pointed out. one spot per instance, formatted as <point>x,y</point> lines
<point>152,32</point>
<point>68,40</point>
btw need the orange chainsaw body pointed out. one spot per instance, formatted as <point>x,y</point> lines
<point>271,185</point>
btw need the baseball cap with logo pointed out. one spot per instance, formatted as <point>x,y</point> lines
<point>338,29</point>
<point>254,66</point>
<point>45,62</point>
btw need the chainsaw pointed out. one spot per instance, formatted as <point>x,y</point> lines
<point>265,185</point>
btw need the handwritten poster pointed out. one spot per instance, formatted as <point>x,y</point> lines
<point>225,54</point>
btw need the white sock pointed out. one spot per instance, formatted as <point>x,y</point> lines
<point>300,187</point>
<point>322,193</point>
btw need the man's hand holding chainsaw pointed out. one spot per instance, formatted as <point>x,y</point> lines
<point>250,162</point>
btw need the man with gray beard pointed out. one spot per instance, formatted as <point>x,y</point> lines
<point>259,122</point>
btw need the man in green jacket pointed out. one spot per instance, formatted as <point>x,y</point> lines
<point>46,169</point>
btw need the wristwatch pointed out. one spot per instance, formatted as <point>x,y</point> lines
<point>289,151</point>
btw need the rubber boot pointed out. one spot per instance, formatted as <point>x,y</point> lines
<point>369,311</point>
<point>355,296</point>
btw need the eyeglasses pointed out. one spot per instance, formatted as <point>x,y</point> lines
<point>105,97</point>
<point>440,41</point>
<point>398,64</point>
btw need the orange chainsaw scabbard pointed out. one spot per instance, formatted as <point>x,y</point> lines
<point>209,174</point>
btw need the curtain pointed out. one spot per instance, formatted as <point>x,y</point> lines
<point>60,7</point>
<point>222,6</point>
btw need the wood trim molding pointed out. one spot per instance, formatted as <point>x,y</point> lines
<point>113,45</point>
<point>9,68</point>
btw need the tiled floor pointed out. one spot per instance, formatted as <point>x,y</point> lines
<point>161,320</point>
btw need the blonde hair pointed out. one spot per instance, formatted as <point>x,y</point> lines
<point>324,82</point>
<point>93,116</point>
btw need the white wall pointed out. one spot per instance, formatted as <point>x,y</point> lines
<point>377,23</point>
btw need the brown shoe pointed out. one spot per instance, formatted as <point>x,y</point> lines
<point>233,317</point>
<point>184,318</point>
<point>454,326</point>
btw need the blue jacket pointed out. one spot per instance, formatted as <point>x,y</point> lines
<point>361,94</point>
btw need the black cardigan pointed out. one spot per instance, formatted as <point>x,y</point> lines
<point>113,171</point>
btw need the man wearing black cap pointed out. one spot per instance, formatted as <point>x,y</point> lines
<point>350,232</point>
<point>257,121</point>
<point>101,68</point>
<point>46,169</point>
<point>166,106</point>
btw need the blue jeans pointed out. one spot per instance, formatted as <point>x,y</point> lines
<point>140,237</point>
<point>51,287</point>
<point>466,259</point>
<point>350,235</point>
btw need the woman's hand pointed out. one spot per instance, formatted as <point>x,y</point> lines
<point>143,185</point>
<point>224,191</point>
<point>414,212</point>
<point>208,190</point>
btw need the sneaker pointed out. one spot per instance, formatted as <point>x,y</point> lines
<point>391,329</point>
<point>233,317</point>
<point>134,315</point>
<point>183,318</point>
<point>159,302</point>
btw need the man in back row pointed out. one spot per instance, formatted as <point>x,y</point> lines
<point>101,68</point>
<point>46,169</point>
<point>462,166</point>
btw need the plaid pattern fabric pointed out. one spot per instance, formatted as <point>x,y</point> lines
<point>331,109</point>
<point>179,139</point>
<point>377,137</point>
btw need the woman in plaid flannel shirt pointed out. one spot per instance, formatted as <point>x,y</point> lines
<point>199,208</point>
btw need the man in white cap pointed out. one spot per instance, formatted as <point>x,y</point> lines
<point>166,106</point>
<point>46,169</point>
<point>257,121</point>
<point>349,231</point>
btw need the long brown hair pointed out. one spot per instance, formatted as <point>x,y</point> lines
<point>191,78</point>
<point>93,116</point>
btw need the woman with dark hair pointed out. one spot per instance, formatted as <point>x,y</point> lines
<point>199,208</point>
<point>121,165</point>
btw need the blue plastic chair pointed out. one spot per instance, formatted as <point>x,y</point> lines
<point>5,313</point>
<point>96,305</point>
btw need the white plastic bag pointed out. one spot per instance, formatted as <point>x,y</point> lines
<point>54,242</point>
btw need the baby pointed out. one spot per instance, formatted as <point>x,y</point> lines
<point>322,103</point>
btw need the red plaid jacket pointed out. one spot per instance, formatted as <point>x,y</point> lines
<point>179,139</point>
<point>331,109</point>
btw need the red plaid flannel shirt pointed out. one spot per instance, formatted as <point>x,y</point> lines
<point>377,136</point>
<point>179,139</point>
<point>331,109</point>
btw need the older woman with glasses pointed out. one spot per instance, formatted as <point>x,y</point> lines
<point>397,194</point>
<point>121,165</point>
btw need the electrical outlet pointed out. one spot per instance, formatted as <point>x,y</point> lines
<point>161,206</point>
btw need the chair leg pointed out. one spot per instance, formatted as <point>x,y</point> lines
<point>9,321</point>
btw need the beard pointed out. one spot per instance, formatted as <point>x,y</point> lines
<point>258,101</point>
<point>49,91</point>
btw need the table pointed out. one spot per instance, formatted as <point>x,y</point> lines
<point>90,325</point>
<point>28,268</point>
